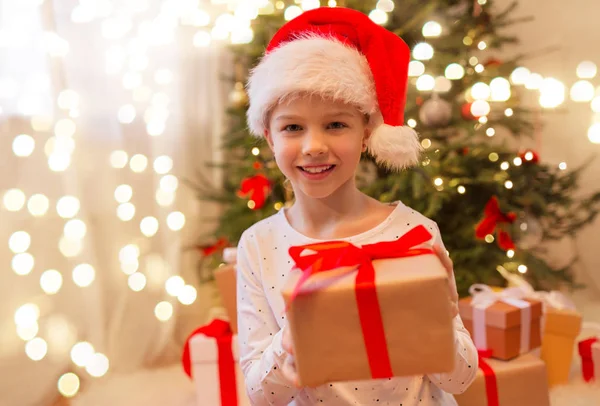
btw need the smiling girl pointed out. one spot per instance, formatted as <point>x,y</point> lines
<point>332,85</point>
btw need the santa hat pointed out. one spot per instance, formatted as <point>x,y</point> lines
<point>341,54</point>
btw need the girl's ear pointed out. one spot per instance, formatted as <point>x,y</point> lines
<point>365,140</point>
<point>269,139</point>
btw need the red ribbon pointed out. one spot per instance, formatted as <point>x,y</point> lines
<point>210,249</point>
<point>587,362</point>
<point>221,331</point>
<point>491,384</point>
<point>258,187</point>
<point>493,216</point>
<point>336,254</point>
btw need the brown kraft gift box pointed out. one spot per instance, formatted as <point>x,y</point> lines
<point>503,327</point>
<point>225,278</point>
<point>561,328</point>
<point>415,308</point>
<point>520,382</point>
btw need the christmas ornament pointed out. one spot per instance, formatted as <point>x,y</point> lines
<point>465,112</point>
<point>435,112</point>
<point>529,156</point>
<point>494,218</point>
<point>257,165</point>
<point>238,96</point>
<point>209,249</point>
<point>528,231</point>
<point>257,188</point>
<point>492,63</point>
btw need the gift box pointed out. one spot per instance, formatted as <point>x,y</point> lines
<point>560,331</point>
<point>519,382</point>
<point>225,278</point>
<point>210,358</point>
<point>506,325</point>
<point>589,350</point>
<point>370,312</point>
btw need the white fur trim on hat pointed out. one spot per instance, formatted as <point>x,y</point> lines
<point>310,64</point>
<point>395,148</point>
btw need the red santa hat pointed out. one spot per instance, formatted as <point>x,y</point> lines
<point>341,54</point>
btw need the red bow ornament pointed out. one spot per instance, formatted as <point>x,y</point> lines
<point>210,249</point>
<point>221,332</point>
<point>257,187</point>
<point>493,218</point>
<point>332,255</point>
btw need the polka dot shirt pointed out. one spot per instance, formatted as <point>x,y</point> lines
<point>263,264</point>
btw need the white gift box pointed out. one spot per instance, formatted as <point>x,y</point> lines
<point>204,354</point>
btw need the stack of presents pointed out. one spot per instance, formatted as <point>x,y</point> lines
<point>527,340</point>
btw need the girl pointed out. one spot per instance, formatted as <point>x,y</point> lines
<point>331,85</point>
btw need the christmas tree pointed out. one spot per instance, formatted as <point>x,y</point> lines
<point>494,200</point>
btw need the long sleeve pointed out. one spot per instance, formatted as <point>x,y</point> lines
<point>259,335</point>
<point>465,365</point>
<point>466,356</point>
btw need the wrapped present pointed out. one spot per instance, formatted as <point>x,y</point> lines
<point>502,322</point>
<point>225,278</point>
<point>561,328</point>
<point>369,312</point>
<point>210,358</point>
<point>561,324</point>
<point>589,350</point>
<point>518,382</point>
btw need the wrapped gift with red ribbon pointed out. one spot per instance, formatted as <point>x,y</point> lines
<point>519,382</point>
<point>369,312</point>
<point>589,350</point>
<point>210,359</point>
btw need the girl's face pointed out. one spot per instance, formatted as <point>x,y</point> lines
<point>317,143</point>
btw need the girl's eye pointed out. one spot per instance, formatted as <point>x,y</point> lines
<point>337,125</point>
<point>292,128</point>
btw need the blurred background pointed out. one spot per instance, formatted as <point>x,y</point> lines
<point>116,118</point>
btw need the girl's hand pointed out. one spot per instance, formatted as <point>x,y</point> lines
<point>447,262</point>
<point>289,367</point>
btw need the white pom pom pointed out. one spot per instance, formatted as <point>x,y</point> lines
<point>394,147</point>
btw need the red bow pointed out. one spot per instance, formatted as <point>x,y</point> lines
<point>258,187</point>
<point>492,218</point>
<point>587,362</point>
<point>207,250</point>
<point>335,254</point>
<point>221,331</point>
<point>491,384</point>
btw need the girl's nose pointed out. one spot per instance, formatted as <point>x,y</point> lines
<point>315,143</point>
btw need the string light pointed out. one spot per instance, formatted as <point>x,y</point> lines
<point>432,29</point>
<point>510,253</point>
<point>68,384</point>
<point>508,112</point>
<point>522,268</point>
<point>454,71</point>
<point>562,166</point>
<point>163,311</point>
<point>508,184</point>
<point>586,70</point>
<point>378,16</point>
<point>517,161</point>
<point>51,281</point>
<point>422,51</point>
<point>461,189</point>
<point>425,83</point>
<point>416,68</point>
<point>255,151</point>
<point>490,132</point>
<point>594,133</point>
<point>411,122</point>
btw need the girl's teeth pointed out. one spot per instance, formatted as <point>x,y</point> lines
<point>317,169</point>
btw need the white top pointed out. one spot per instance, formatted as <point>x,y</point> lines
<point>263,263</point>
